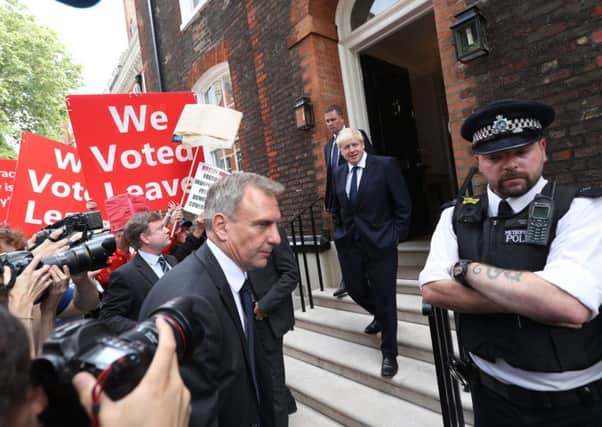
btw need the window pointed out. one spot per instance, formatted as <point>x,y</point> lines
<point>215,87</point>
<point>365,10</point>
<point>188,8</point>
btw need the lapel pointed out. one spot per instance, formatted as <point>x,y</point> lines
<point>145,271</point>
<point>225,293</point>
<point>341,180</point>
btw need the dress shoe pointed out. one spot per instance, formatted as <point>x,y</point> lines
<point>341,291</point>
<point>389,367</point>
<point>373,328</point>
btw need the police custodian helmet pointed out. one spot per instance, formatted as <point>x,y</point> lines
<point>506,124</point>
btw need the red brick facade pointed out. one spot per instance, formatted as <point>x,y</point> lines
<point>278,51</point>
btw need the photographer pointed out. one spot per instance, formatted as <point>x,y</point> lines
<point>161,393</point>
<point>34,298</point>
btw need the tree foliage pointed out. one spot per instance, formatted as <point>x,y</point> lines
<point>36,72</point>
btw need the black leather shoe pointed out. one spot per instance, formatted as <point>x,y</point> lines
<point>341,291</point>
<point>373,328</point>
<point>389,367</point>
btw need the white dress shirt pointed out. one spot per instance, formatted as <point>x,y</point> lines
<point>360,170</point>
<point>153,262</point>
<point>574,264</point>
<point>234,275</point>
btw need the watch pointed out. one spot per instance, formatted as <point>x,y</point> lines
<point>459,271</point>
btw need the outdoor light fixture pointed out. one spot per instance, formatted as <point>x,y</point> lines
<point>470,38</point>
<point>304,113</point>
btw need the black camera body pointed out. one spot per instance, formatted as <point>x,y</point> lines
<point>86,256</point>
<point>82,222</point>
<point>118,362</point>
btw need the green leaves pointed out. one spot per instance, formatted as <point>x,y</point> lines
<point>36,72</point>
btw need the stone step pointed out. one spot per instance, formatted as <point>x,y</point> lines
<point>409,307</point>
<point>350,403</point>
<point>413,340</point>
<point>412,253</point>
<point>416,381</point>
<point>408,272</point>
<point>306,417</point>
<point>408,286</point>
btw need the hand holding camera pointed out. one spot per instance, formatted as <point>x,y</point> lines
<point>161,391</point>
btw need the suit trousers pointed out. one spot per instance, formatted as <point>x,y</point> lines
<point>492,410</point>
<point>370,279</point>
<point>284,402</point>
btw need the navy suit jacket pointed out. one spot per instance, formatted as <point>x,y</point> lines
<point>218,373</point>
<point>127,288</point>
<point>381,216</point>
<point>329,192</point>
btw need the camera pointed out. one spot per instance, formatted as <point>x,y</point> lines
<point>87,256</point>
<point>82,222</point>
<point>118,362</point>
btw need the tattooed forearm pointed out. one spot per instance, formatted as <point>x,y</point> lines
<point>494,272</point>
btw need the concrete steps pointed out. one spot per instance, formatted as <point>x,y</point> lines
<point>415,382</point>
<point>333,367</point>
<point>306,417</point>
<point>352,404</point>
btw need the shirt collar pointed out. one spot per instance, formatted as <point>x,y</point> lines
<point>360,164</point>
<point>151,259</point>
<point>234,275</point>
<point>516,203</point>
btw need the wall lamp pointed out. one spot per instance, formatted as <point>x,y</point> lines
<point>304,113</point>
<point>470,37</point>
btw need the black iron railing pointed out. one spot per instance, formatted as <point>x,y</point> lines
<point>446,364</point>
<point>304,244</point>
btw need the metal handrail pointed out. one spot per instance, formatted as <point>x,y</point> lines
<point>443,349</point>
<point>299,245</point>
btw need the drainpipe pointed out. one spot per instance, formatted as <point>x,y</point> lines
<point>151,19</point>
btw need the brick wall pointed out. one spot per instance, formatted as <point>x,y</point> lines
<point>266,79</point>
<point>544,50</point>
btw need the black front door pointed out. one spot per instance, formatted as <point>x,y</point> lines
<point>393,129</point>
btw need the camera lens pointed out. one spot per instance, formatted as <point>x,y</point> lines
<point>88,256</point>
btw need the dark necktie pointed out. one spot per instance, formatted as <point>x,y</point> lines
<point>353,186</point>
<point>334,158</point>
<point>246,298</point>
<point>504,209</point>
<point>163,264</point>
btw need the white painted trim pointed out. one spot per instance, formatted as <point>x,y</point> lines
<point>366,35</point>
<point>210,76</point>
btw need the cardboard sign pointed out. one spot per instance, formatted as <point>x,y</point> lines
<point>124,143</point>
<point>7,178</point>
<point>204,178</point>
<point>48,184</point>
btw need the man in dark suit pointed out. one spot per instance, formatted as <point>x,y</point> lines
<point>129,284</point>
<point>371,213</point>
<point>335,122</point>
<point>274,316</point>
<point>227,375</point>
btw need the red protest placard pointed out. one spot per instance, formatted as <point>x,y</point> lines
<point>124,143</point>
<point>7,178</point>
<point>48,184</point>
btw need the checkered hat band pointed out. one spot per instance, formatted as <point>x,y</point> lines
<point>511,126</point>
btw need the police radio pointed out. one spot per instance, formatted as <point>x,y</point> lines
<point>541,214</point>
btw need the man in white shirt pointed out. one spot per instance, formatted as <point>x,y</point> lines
<point>522,264</point>
<point>227,375</point>
<point>129,284</point>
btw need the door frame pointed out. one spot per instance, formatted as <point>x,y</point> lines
<point>352,42</point>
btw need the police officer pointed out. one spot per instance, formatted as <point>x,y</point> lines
<point>522,264</point>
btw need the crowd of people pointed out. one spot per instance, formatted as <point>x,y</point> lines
<point>521,264</point>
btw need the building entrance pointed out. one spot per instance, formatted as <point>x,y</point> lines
<point>407,115</point>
